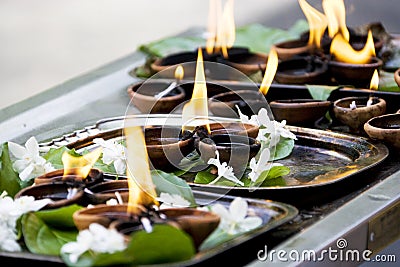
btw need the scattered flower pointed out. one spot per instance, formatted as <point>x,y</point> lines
<point>270,130</point>
<point>29,164</point>
<point>235,220</point>
<point>172,200</point>
<point>10,211</point>
<point>223,170</point>
<point>113,152</point>
<point>263,164</point>
<point>353,105</point>
<point>96,238</point>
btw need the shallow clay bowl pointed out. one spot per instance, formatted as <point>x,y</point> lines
<point>385,128</point>
<point>197,223</point>
<point>100,193</point>
<point>95,176</point>
<point>299,111</point>
<point>234,128</point>
<point>301,70</point>
<point>165,147</point>
<point>289,49</point>
<point>355,118</point>
<point>143,97</point>
<point>56,191</point>
<point>248,63</point>
<point>358,75</point>
<point>249,102</point>
<point>397,77</point>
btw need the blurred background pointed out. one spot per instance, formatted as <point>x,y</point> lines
<point>46,42</point>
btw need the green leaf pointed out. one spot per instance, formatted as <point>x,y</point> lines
<point>54,156</point>
<point>170,183</point>
<point>172,45</point>
<point>219,236</point>
<point>107,168</point>
<point>43,239</point>
<point>259,38</point>
<point>279,181</point>
<point>165,244</point>
<point>99,259</point>
<point>283,149</point>
<point>9,179</point>
<point>320,92</point>
<point>387,82</point>
<point>204,177</point>
<point>59,218</point>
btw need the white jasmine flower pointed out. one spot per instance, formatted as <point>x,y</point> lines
<point>235,221</point>
<point>263,164</point>
<point>29,163</point>
<point>273,129</point>
<point>10,211</point>
<point>96,238</point>
<point>353,105</point>
<point>113,152</point>
<point>223,170</point>
<point>172,200</point>
<point>369,102</point>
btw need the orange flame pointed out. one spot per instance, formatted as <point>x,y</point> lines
<point>80,165</point>
<point>343,51</point>
<point>272,66</point>
<point>374,81</point>
<point>317,23</point>
<point>221,27</point>
<point>141,187</point>
<point>179,73</point>
<point>335,12</point>
<point>197,107</point>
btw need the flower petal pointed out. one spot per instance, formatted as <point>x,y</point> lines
<point>32,146</point>
<point>17,150</point>
<point>26,174</point>
<point>120,166</point>
<point>222,212</point>
<point>238,209</point>
<point>250,223</point>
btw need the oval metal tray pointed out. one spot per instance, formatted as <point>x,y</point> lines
<point>319,157</point>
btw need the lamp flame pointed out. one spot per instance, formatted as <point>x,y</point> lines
<point>179,73</point>
<point>270,70</point>
<point>374,81</point>
<point>198,104</point>
<point>343,51</point>
<point>335,12</point>
<point>317,23</point>
<point>141,187</point>
<point>221,27</point>
<point>80,165</point>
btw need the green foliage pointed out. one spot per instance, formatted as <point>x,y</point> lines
<point>9,179</point>
<point>172,184</point>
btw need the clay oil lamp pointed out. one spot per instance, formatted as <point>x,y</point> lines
<point>157,96</point>
<point>249,101</point>
<point>65,187</point>
<point>356,111</point>
<point>167,146</point>
<point>299,112</point>
<point>219,48</point>
<point>385,128</point>
<point>102,192</point>
<point>141,211</point>
<point>351,67</point>
<point>302,47</point>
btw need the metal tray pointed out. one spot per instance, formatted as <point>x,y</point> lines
<point>273,214</point>
<point>320,158</point>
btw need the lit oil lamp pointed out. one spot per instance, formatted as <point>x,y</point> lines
<point>141,211</point>
<point>356,111</point>
<point>219,47</point>
<point>157,96</point>
<point>66,186</point>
